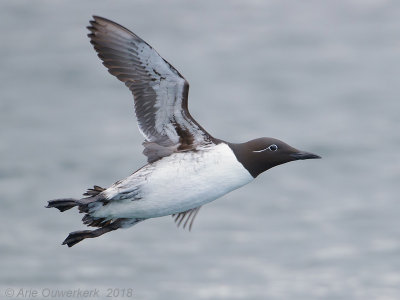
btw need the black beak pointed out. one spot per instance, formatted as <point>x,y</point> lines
<point>304,155</point>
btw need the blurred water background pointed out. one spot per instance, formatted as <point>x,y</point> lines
<point>321,75</point>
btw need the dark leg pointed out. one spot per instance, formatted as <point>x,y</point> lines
<point>62,204</point>
<point>77,236</point>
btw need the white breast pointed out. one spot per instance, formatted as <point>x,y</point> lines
<point>177,183</point>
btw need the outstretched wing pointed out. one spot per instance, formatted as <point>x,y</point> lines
<point>160,91</point>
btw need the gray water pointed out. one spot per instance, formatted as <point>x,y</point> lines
<point>320,75</point>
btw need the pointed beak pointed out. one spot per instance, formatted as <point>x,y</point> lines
<point>304,155</point>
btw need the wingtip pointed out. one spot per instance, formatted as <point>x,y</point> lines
<point>96,21</point>
<point>96,18</point>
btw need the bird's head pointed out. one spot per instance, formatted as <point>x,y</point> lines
<point>264,153</point>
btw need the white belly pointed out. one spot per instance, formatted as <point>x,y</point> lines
<point>177,183</point>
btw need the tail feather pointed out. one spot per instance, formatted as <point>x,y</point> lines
<point>94,191</point>
<point>93,200</point>
<point>95,222</point>
<point>62,204</point>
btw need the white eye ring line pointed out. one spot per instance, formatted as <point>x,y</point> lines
<point>269,148</point>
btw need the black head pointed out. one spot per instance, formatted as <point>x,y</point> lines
<point>262,154</point>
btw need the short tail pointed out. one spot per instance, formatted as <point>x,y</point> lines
<point>86,205</point>
<point>63,204</point>
<point>77,236</point>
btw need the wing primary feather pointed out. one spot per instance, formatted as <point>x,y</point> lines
<point>160,92</point>
<point>181,218</point>
<point>188,218</point>
<point>194,216</point>
<point>190,215</point>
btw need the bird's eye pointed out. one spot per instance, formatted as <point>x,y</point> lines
<point>273,147</point>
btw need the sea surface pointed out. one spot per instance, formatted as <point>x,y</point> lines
<point>324,76</point>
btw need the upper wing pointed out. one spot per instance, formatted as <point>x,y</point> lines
<point>159,90</point>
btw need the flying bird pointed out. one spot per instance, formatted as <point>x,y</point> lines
<point>187,167</point>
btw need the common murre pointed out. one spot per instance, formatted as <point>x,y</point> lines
<point>187,167</point>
